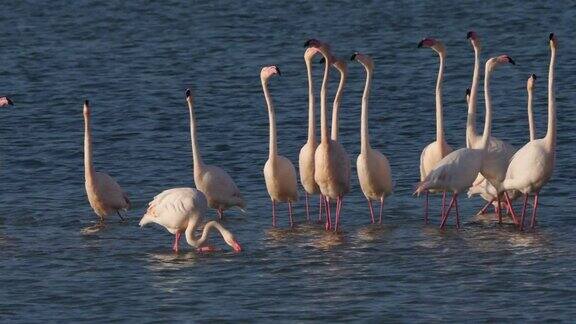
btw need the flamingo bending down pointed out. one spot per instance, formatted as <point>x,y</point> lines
<point>437,150</point>
<point>332,164</point>
<point>457,171</point>
<point>373,168</point>
<point>499,153</point>
<point>213,181</point>
<point>104,194</point>
<point>279,172</point>
<point>532,166</point>
<point>182,210</point>
<point>306,157</point>
<point>5,101</point>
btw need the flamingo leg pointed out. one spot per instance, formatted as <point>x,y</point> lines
<point>290,214</point>
<point>371,211</point>
<point>443,204</point>
<point>273,213</point>
<point>426,221</point>
<point>328,216</point>
<point>381,208</point>
<point>320,209</point>
<point>498,210</point>
<point>523,211</point>
<point>176,239</point>
<point>533,221</point>
<point>483,210</point>
<point>220,214</point>
<point>120,215</point>
<point>457,212</point>
<point>445,217</point>
<point>512,212</point>
<point>307,208</point>
<point>339,202</point>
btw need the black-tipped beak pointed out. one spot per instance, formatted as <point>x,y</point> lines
<point>188,93</point>
<point>511,60</point>
<point>468,91</point>
<point>469,35</point>
<point>322,60</point>
<point>10,102</point>
<point>420,44</point>
<point>551,36</point>
<point>86,102</point>
<point>278,70</point>
<point>309,42</point>
<point>353,57</point>
<point>534,76</point>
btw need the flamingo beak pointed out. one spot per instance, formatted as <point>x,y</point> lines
<point>236,246</point>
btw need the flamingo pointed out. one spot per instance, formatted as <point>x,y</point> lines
<point>279,172</point>
<point>532,166</point>
<point>104,194</point>
<point>499,153</point>
<point>182,210</point>
<point>213,181</point>
<point>5,101</point>
<point>373,168</point>
<point>332,164</point>
<point>306,157</point>
<point>457,171</point>
<point>437,150</point>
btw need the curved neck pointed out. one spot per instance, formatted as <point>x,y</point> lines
<point>323,95</point>
<point>551,133</point>
<point>488,101</point>
<point>439,116</point>
<point>471,135</point>
<point>531,125</point>
<point>272,119</point>
<point>195,149</point>
<point>191,238</point>
<point>311,113</point>
<point>364,133</point>
<point>336,107</point>
<point>88,165</point>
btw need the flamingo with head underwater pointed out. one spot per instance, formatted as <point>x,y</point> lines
<point>5,101</point>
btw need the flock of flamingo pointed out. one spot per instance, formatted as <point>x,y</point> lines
<point>487,166</point>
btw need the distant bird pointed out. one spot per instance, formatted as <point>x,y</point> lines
<point>532,166</point>
<point>306,157</point>
<point>5,101</point>
<point>457,171</point>
<point>212,180</point>
<point>332,163</point>
<point>104,194</point>
<point>499,152</point>
<point>279,172</point>
<point>437,150</point>
<point>374,171</point>
<point>181,210</point>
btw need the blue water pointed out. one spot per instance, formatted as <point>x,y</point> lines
<point>133,61</point>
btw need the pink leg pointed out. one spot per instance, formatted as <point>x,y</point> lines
<point>339,202</point>
<point>445,217</point>
<point>307,207</point>
<point>320,209</point>
<point>328,216</point>
<point>443,204</point>
<point>533,221</point>
<point>426,221</point>
<point>273,213</point>
<point>290,214</point>
<point>523,211</point>
<point>457,212</point>
<point>512,212</point>
<point>483,210</point>
<point>371,211</point>
<point>381,208</point>
<point>498,211</point>
<point>176,239</point>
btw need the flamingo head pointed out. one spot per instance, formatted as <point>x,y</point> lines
<point>5,101</point>
<point>310,53</point>
<point>474,39</point>
<point>322,47</point>
<point>86,108</point>
<point>269,71</point>
<point>188,94</point>
<point>531,81</point>
<point>363,59</point>
<point>553,41</point>
<point>432,43</point>
<point>495,61</point>
<point>231,240</point>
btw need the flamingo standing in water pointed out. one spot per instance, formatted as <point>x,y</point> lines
<point>5,101</point>
<point>306,157</point>
<point>213,181</point>
<point>182,210</point>
<point>279,172</point>
<point>437,150</point>
<point>104,194</point>
<point>532,166</point>
<point>499,153</point>
<point>332,164</point>
<point>457,171</point>
<point>373,168</point>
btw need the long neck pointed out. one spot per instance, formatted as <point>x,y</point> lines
<point>439,116</point>
<point>191,238</point>
<point>311,112</point>
<point>531,125</point>
<point>88,165</point>
<point>364,133</point>
<point>195,148</point>
<point>272,118</point>
<point>323,95</point>
<point>471,135</point>
<point>551,134</point>
<point>336,107</point>
<point>488,118</point>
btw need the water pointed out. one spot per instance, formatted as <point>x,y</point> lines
<point>133,61</point>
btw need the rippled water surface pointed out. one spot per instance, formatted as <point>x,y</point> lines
<point>133,61</point>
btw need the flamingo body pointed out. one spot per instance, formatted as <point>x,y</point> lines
<point>280,177</point>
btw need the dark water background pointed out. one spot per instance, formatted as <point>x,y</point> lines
<point>133,61</point>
